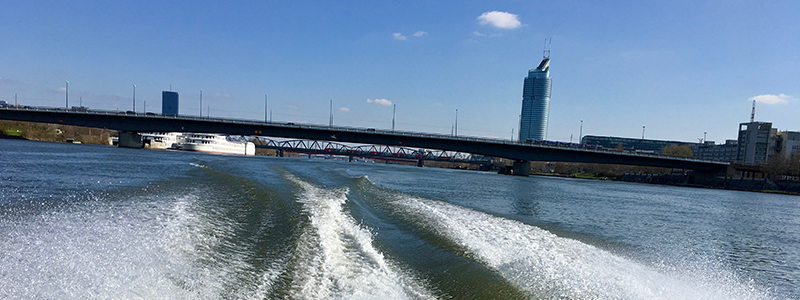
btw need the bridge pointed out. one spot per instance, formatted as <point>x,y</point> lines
<point>522,153</point>
<point>380,152</point>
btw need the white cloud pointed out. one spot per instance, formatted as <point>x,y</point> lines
<point>478,33</point>
<point>419,33</point>
<point>500,19</point>
<point>399,36</point>
<point>344,109</point>
<point>772,99</point>
<point>380,101</point>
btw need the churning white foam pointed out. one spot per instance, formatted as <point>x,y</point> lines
<point>545,265</point>
<point>336,259</point>
<point>153,247</point>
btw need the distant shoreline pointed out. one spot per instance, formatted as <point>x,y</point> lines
<point>12,137</point>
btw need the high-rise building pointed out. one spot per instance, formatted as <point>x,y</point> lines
<point>169,103</point>
<point>536,103</point>
<point>756,142</point>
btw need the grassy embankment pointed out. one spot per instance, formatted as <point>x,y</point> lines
<point>55,132</point>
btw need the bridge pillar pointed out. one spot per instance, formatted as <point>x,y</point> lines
<point>129,139</point>
<point>421,163</point>
<point>350,159</point>
<point>521,168</point>
<point>280,152</point>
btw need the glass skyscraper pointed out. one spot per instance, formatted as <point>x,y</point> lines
<point>535,103</point>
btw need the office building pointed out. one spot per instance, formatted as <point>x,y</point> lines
<point>756,142</point>
<point>721,152</point>
<point>536,103</point>
<point>787,143</point>
<point>633,144</point>
<point>169,103</point>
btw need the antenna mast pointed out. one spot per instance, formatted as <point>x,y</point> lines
<point>753,113</point>
<point>547,44</point>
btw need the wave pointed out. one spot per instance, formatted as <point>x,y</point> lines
<point>183,238</point>
<point>335,258</point>
<point>544,265</point>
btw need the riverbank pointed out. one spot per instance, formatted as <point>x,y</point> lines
<point>54,132</point>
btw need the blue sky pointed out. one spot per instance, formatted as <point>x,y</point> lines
<point>680,68</point>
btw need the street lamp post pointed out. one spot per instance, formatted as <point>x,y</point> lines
<point>266,107</point>
<point>201,104</point>
<point>642,131</point>
<point>580,134</point>
<point>394,110</point>
<point>67,96</point>
<point>455,132</point>
<point>134,98</point>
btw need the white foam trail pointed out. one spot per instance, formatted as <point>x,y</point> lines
<point>545,265</point>
<point>154,247</point>
<point>197,165</point>
<point>336,256</point>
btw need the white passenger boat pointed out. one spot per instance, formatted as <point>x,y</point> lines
<point>160,140</point>
<point>214,143</point>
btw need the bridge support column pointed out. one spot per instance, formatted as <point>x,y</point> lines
<point>421,163</point>
<point>280,152</point>
<point>350,159</point>
<point>521,168</point>
<point>129,139</point>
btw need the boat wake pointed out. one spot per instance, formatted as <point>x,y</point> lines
<point>543,265</point>
<point>335,258</point>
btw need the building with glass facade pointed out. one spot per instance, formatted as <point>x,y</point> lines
<point>169,103</point>
<point>535,103</point>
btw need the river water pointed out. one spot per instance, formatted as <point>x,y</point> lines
<point>100,222</point>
